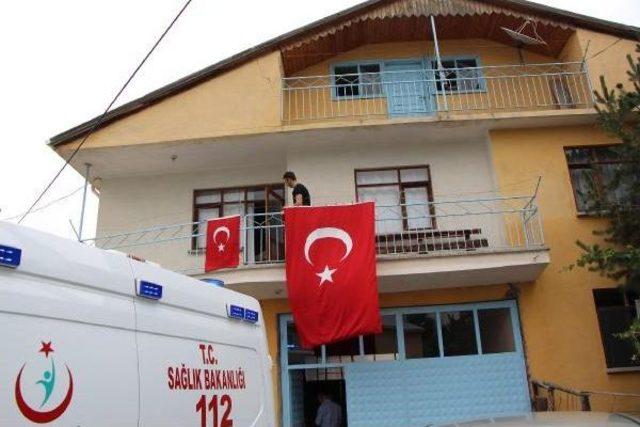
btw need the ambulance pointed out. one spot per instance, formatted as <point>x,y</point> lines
<point>95,338</point>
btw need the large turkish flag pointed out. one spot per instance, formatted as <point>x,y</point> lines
<point>223,243</point>
<point>331,272</point>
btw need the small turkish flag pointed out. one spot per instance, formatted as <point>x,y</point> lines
<point>331,272</point>
<point>223,243</point>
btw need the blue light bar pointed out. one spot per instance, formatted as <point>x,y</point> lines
<point>250,315</point>
<point>235,312</point>
<point>10,257</point>
<point>149,290</point>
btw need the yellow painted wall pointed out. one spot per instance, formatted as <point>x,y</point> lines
<point>558,312</point>
<point>271,309</point>
<point>605,54</point>
<point>244,100</point>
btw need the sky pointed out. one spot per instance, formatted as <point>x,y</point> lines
<point>64,60</point>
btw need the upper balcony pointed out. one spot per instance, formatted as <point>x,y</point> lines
<point>451,242</point>
<point>403,89</point>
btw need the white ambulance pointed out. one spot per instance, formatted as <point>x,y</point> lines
<point>93,338</point>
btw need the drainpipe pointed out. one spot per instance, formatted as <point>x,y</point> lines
<point>84,199</point>
<point>439,61</point>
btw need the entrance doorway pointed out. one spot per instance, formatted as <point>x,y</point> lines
<point>307,385</point>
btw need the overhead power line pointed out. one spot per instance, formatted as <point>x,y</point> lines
<point>53,202</point>
<point>97,124</point>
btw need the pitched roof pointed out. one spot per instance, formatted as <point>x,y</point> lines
<point>542,11</point>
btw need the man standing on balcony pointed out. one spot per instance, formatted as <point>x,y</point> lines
<point>300,193</point>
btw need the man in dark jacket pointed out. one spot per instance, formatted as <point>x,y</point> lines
<point>300,193</point>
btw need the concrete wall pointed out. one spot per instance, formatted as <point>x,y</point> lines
<point>558,312</point>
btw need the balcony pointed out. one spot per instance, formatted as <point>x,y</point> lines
<point>449,242</point>
<point>427,92</point>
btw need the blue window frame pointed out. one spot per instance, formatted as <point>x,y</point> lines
<point>462,74</point>
<point>357,80</point>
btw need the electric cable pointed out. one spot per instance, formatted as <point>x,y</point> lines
<point>98,122</point>
<point>47,205</point>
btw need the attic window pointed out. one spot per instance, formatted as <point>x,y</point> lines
<point>357,80</point>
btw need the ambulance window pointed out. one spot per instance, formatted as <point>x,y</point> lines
<point>420,335</point>
<point>458,333</point>
<point>383,346</point>
<point>298,355</point>
<point>496,330</point>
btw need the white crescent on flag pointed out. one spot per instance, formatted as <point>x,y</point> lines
<point>223,229</point>
<point>324,233</point>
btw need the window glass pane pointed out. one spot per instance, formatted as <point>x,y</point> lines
<point>208,197</point>
<point>613,191</point>
<point>469,79</point>
<point>253,194</point>
<point>295,353</point>
<point>233,196</point>
<point>496,330</point>
<point>420,335</point>
<point>347,80</point>
<point>417,207</point>
<point>201,227</point>
<point>458,333</point>
<point>413,175</point>
<point>577,155</point>
<point>613,320</point>
<point>377,177</point>
<point>607,153</point>
<point>582,180</point>
<point>383,346</point>
<point>388,210</point>
<point>370,79</point>
<point>233,209</point>
<point>466,63</point>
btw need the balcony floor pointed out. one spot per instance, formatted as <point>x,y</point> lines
<point>410,272</point>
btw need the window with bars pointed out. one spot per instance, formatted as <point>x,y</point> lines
<point>460,75</point>
<point>260,204</point>
<point>591,170</point>
<point>357,80</point>
<point>403,197</point>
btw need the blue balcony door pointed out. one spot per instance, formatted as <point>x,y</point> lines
<point>409,88</point>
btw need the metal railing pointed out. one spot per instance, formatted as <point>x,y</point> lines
<point>549,396</point>
<point>394,94</point>
<point>445,226</point>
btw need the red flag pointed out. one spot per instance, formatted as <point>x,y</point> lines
<point>331,272</point>
<point>223,243</point>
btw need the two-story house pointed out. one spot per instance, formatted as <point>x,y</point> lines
<point>470,123</point>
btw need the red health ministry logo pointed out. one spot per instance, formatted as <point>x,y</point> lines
<point>48,384</point>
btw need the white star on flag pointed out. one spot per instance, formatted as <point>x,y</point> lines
<point>326,275</point>
<point>221,247</point>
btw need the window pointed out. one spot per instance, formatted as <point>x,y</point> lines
<point>403,197</point>
<point>358,81</point>
<point>461,75</point>
<point>616,310</point>
<point>458,333</point>
<point>591,170</point>
<point>261,205</point>
<point>420,335</point>
<point>496,330</point>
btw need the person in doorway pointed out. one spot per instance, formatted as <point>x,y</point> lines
<point>329,412</point>
<point>300,193</point>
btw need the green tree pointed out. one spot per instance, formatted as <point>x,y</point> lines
<point>619,256</point>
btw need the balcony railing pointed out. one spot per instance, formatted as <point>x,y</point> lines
<point>455,227</point>
<point>422,92</point>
